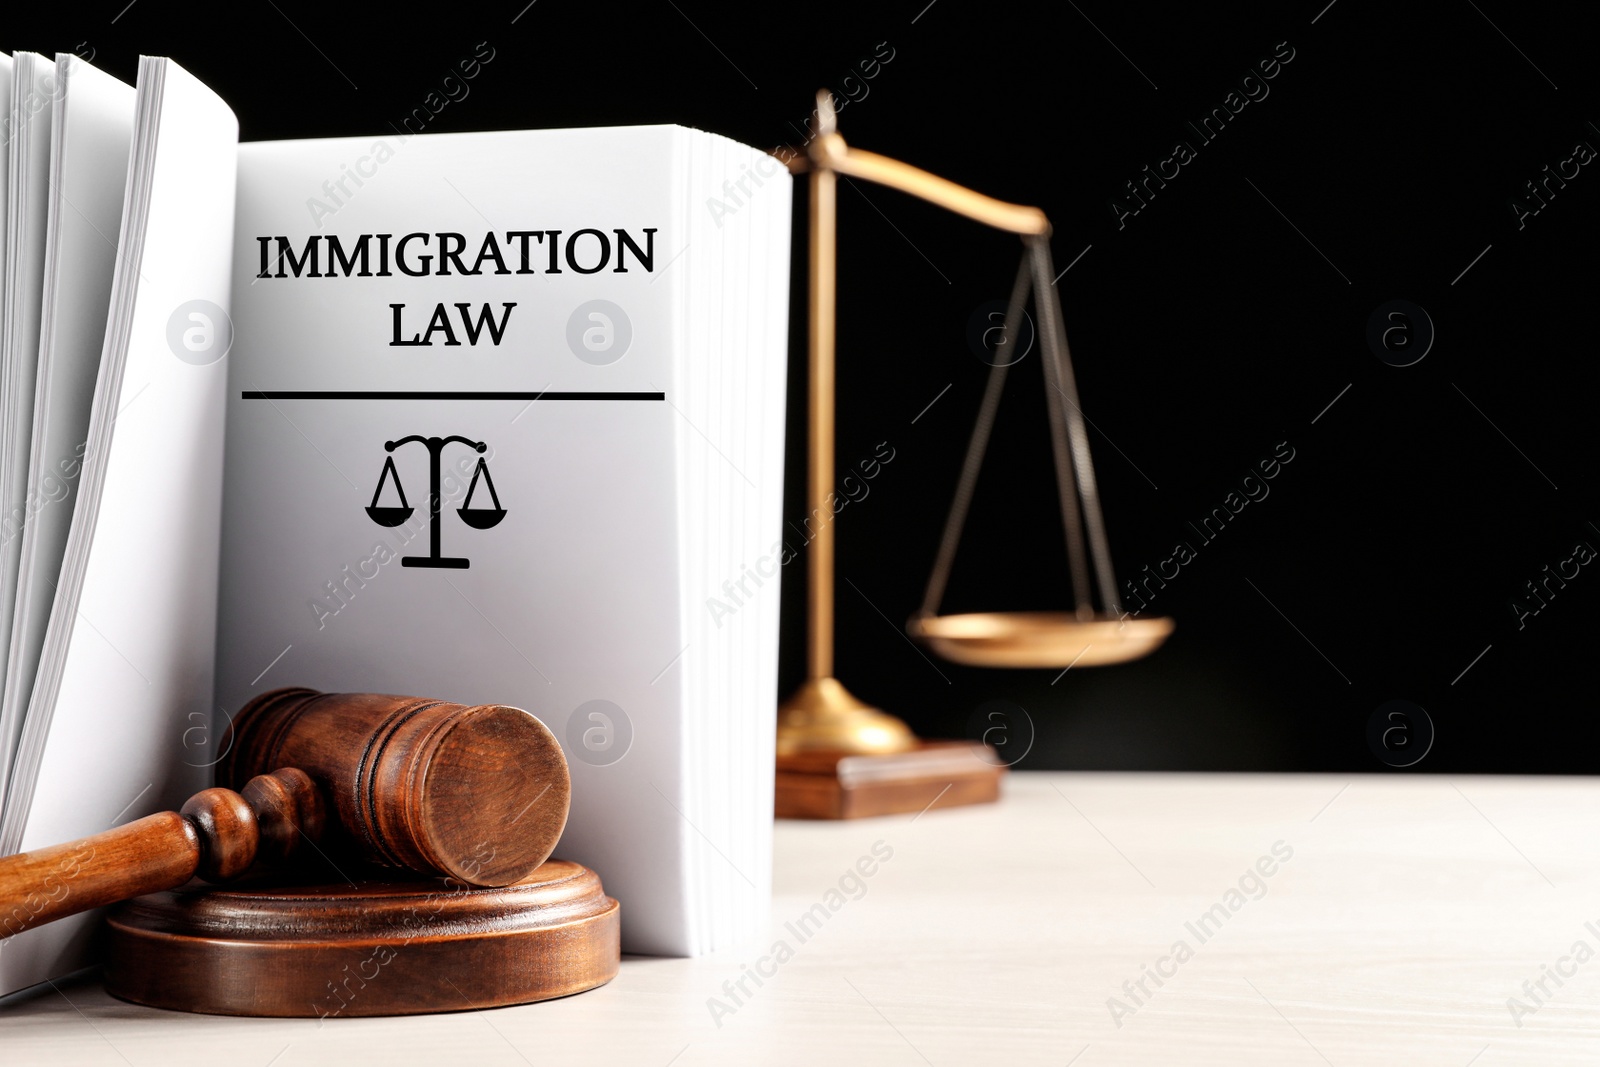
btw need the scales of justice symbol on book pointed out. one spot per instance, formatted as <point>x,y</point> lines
<point>839,757</point>
<point>479,518</point>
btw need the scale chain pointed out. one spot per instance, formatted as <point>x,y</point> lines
<point>1059,360</point>
<point>1067,489</point>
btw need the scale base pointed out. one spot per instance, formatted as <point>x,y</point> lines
<point>280,948</point>
<point>822,716</point>
<point>935,774</point>
<point>455,563</point>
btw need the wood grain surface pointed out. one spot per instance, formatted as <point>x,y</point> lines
<point>277,947</point>
<point>215,836</point>
<point>945,774</point>
<point>479,793</point>
<point>1413,907</point>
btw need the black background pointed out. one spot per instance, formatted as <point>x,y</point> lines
<point>1220,320</point>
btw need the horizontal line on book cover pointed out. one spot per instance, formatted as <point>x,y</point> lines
<point>330,394</point>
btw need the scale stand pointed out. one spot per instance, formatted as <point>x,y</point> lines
<point>838,757</point>
<point>477,518</point>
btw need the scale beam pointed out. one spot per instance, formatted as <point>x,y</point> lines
<point>881,170</point>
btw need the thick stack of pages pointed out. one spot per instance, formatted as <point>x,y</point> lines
<point>112,467</point>
<point>504,423</point>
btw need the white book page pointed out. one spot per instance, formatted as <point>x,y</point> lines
<point>730,447</point>
<point>127,666</point>
<point>574,597</point>
<point>7,733</point>
<point>33,87</point>
<point>6,66</point>
<point>92,130</point>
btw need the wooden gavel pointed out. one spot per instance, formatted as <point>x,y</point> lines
<point>479,794</point>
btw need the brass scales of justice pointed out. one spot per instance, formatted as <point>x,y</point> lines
<point>839,757</point>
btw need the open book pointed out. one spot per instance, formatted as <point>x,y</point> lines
<point>486,417</point>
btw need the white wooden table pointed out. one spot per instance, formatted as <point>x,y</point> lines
<point>1411,910</point>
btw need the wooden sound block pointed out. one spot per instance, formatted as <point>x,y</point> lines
<point>831,785</point>
<point>378,947</point>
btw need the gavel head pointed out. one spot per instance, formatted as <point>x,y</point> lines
<point>478,793</point>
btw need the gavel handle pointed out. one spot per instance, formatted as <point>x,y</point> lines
<point>218,834</point>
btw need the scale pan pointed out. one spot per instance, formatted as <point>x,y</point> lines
<point>481,518</point>
<point>388,516</point>
<point>1038,638</point>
